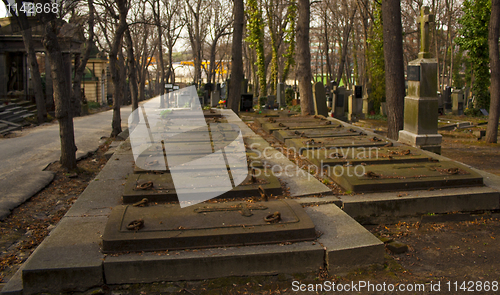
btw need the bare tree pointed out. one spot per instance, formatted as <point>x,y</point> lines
<point>81,63</point>
<point>304,57</point>
<point>121,17</point>
<point>394,67</point>
<point>60,71</point>
<point>132,70</point>
<point>196,23</point>
<point>220,23</point>
<point>494,29</point>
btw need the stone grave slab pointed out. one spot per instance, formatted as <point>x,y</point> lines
<point>162,188</point>
<point>365,155</point>
<point>331,143</point>
<point>155,162</point>
<point>207,225</point>
<point>309,119</point>
<point>271,127</point>
<point>408,176</point>
<point>283,135</point>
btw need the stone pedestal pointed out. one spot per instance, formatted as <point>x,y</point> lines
<point>421,107</point>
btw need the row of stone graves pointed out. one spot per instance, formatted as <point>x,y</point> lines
<point>365,163</point>
<point>134,226</point>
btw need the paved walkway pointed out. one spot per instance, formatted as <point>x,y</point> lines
<point>23,158</point>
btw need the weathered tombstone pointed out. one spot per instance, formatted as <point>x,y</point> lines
<point>421,104</point>
<point>271,100</point>
<point>244,86</point>
<point>246,103</point>
<point>339,102</point>
<point>355,104</point>
<point>215,98</point>
<point>446,97</point>
<point>320,99</point>
<point>457,102</point>
<point>281,95</point>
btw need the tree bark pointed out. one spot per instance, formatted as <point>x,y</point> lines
<point>80,64</point>
<point>237,62</point>
<point>35,71</point>
<point>62,90</point>
<point>394,66</point>
<point>304,57</point>
<point>115,71</point>
<point>132,74</point>
<point>492,129</point>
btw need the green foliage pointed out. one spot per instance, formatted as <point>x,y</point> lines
<point>255,30</point>
<point>296,108</point>
<point>262,100</point>
<point>474,39</point>
<point>376,67</point>
<point>164,113</point>
<point>377,117</point>
<point>458,61</point>
<point>289,96</point>
<point>289,39</point>
<point>93,105</point>
<point>473,112</point>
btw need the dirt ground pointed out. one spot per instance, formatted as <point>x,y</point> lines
<point>462,256</point>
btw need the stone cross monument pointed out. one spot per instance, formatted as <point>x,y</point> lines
<point>421,102</point>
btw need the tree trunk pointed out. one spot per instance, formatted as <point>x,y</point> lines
<point>132,74</point>
<point>304,57</point>
<point>62,90</point>
<point>492,129</point>
<point>76,95</point>
<point>237,62</point>
<point>345,39</point>
<point>33,64</point>
<point>394,67</point>
<point>116,124</point>
<point>41,108</point>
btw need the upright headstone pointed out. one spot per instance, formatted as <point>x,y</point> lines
<point>271,100</point>
<point>421,104</point>
<point>244,86</point>
<point>355,107</point>
<point>457,102</point>
<point>246,103</point>
<point>320,99</point>
<point>214,99</point>
<point>447,97</point>
<point>281,95</point>
<point>339,103</point>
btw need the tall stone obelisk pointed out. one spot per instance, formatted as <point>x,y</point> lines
<point>421,102</point>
